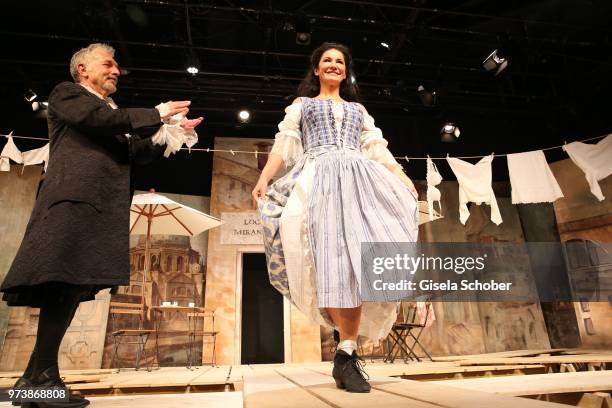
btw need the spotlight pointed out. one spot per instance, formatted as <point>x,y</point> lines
<point>385,45</point>
<point>30,95</point>
<point>450,132</point>
<point>193,63</point>
<point>244,116</point>
<point>426,97</point>
<point>302,31</point>
<point>495,63</point>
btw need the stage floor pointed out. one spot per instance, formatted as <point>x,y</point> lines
<point>535,378</point>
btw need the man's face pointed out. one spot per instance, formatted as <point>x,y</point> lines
<point>101,72</point>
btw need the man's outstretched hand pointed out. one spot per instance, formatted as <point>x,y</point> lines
<point>171,108</point>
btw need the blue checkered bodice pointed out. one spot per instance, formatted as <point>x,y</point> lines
<point>319,126</point>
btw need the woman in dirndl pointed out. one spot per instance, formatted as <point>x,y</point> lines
<point>344,188</point>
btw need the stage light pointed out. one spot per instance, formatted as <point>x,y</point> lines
<point>494,62</point>
<point>450,132</point>
<point>302,31</point>
<point>192,63</point>
<point>384,44</point>
<point>30,95</point>
<point>427,98</point>
<point>244,116</point>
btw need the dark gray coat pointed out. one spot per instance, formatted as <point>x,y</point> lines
<point>78,232</point>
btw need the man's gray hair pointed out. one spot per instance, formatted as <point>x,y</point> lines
<point>82,56</point>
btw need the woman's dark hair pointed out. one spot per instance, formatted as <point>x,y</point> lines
<point>310,85</point>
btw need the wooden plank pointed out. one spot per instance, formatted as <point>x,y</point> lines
<point>195,400</point>
<point>536,384</point>
<point>512,353</point>
<point>238,372</point>
<point>324,387</point>
<point>214,375</point>
<point>164,377</point>
<point>267,389</point>
<point>417,369</point>
<point>444,396</point>
<point>583,358</point>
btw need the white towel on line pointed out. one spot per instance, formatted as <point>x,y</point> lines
<point>595,160</point>
<point>531,179</point>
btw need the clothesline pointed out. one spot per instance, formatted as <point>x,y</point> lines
<point>256,152</point>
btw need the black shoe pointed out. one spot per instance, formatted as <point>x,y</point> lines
<point>50,379</point>
<point>22,382</point>
<point>348,372</point>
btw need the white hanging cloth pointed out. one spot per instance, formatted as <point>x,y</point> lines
<point>433,194</point>
<point>37,156</point>
<point>531,179</point>
<point>595,160</point>
<point>10,151</point>
<point>475,186</point>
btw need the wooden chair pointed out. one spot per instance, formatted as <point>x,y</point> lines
<point>123,335</point>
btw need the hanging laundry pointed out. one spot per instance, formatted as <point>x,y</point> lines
<point>433,194</point>
<point>531,179</point>
<point>10,151</point>
<point>37,156</point>
<point>595,160</point>
<point>475,186</point>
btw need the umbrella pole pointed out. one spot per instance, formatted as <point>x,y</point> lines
<point>147,265</point>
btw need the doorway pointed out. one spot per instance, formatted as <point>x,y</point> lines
<point>262,339</point>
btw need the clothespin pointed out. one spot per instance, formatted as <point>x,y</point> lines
<point>208,150</point>
<point>406,158</point>
<point>10,134</point>
<point>256,153</point>
<point>189,149</point>
<point>232,152</point>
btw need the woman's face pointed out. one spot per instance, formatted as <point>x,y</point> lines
<point>332,67</point>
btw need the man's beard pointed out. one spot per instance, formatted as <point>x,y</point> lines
<point>110,87</point>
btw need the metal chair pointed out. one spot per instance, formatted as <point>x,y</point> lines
<point>403,331</point>
<point>122,335</point>
<point>207,332</point>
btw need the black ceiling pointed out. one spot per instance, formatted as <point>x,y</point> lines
<point>555,88</point>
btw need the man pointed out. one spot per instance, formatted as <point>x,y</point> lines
<point>76,242</point>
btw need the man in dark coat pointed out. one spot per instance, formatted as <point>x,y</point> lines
<point>77,240</point>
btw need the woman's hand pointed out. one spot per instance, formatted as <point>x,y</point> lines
<point>259,191</point>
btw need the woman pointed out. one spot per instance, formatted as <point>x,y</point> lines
<point>339,193</point>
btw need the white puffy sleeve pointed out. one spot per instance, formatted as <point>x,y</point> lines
<point>373,144</point>
<point>288,140</point>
